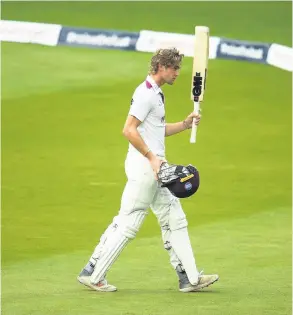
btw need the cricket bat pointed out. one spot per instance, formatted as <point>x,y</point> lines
<point>199,72</point>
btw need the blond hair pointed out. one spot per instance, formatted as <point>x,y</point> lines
<point>167,57</point>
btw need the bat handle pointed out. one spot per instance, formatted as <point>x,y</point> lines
<point>194,126</point>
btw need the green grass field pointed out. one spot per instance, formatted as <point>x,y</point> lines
<point>63,154</point>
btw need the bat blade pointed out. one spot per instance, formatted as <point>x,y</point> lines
<point>199,71</point>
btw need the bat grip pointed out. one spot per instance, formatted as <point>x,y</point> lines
<point>194,126</point>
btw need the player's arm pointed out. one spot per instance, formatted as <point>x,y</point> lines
<point>131,133</point>
<point>173,128</point>
<point>141,105</point>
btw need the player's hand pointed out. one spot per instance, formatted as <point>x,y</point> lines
<point>155,164</point>
<point>188,120</point>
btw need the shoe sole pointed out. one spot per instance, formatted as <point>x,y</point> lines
<point>191,289</point>
<point>80,280</point>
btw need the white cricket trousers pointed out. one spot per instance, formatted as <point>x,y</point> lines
<point>142,191</point>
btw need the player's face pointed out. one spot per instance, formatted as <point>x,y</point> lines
<point>170,74</point>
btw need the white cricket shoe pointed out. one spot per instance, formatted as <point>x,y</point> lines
<point>101,286</point>
<point>203,281</point>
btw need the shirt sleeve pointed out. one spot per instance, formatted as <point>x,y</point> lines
<point>141,105</point>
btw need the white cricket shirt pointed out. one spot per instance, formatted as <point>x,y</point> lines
<point>148,106</point>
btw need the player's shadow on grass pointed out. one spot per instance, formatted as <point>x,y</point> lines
<point>140,291</point>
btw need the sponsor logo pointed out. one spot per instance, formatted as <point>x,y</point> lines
<point>188,186</point>
<point>197,86</point>
<point>242,51</point>
<point>86,38</point>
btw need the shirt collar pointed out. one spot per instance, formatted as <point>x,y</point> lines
<point>153,84</point>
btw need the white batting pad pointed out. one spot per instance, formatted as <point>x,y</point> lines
<point>105,262</point>
<point>181,244</point>
<point>126,228</point>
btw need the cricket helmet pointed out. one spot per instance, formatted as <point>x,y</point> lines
<point>182,181</point>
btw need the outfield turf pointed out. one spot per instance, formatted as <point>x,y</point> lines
<point>63,153</point>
